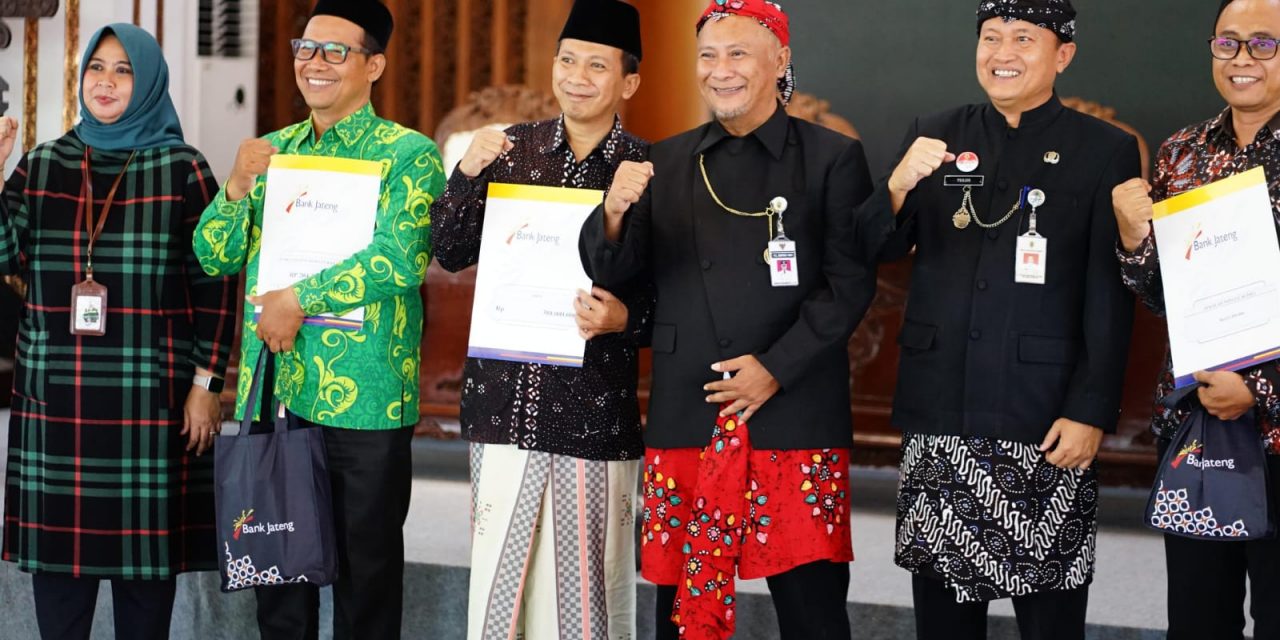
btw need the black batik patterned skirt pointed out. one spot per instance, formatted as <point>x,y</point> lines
<point>992,519</point>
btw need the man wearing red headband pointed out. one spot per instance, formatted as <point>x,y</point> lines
<point>746,227</point>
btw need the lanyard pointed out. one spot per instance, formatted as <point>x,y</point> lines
<point>90,228</point>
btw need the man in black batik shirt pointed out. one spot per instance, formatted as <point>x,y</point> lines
<point>1015,337</point>
<point>554,448</point>
<point>1207,578</point>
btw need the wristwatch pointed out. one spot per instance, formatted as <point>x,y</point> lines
<point>209,383</point>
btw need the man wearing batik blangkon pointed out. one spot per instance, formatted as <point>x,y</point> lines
<point>697,220</point>
<point>1015,337</point>
<point>555,449</point>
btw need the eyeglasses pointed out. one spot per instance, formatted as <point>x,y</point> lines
<point>334,52</point>
<point>1224,48</point>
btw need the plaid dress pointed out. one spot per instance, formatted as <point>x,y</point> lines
<point>97,482</point>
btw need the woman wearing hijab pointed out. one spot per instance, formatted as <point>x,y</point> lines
<point>122,344</point>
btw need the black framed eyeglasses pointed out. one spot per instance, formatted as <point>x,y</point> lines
<point>334,52</point>
<point>1224,48</point>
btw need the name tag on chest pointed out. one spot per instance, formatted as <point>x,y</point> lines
<point>963,181</point>
<point>1031,256</point>
<point>784,268</point>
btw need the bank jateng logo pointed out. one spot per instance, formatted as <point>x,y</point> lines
<point>1191,454</point>
<point>294,201</point>
<point>1193,448</point>
<point>524,235</point>
<point>1200,241</point>
<point>301,202</point>
<point>242,525</point>
<point>245,517</point>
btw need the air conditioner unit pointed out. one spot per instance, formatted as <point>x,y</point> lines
<point>224,65</point>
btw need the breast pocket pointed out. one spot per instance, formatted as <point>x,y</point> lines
<point>916,337</point>
<point>664,338</point>
<point>1043,374</point>
<point>1063,216</point>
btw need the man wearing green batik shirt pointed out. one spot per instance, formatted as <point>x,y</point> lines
<point>360,386</point>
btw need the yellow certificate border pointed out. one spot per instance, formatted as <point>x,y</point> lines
<point>563,195</point>
<point>1209,192</point>
<point>326,163</point>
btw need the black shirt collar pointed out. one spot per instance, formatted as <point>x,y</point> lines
<point>772,134</point>
<point>1035,118</point>
<point>559,139</point>
<point>1223,130</point>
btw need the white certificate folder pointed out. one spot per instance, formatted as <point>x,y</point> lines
<point>529,274</point>
<point>1220,264</point>
<point>317,212</point>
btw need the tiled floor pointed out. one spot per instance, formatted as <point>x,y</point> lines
<point>1128,590</point>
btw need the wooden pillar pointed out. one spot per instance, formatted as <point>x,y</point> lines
<point>427,70</point>
<point>501,39</point>
<point>462,68</point>
<point>31,76</point>
<point>545,21</point>
<point>668,100</point>
<point>71,69</point>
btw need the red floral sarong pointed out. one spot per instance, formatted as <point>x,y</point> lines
<point>710,513</point>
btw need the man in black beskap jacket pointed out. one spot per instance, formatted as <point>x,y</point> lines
<point>694,218</point>
<point>1015,337</point>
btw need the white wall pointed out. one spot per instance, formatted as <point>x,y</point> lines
<point>185,85</point>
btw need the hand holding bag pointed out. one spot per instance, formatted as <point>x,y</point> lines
<point>1212,481</point>
<point>272,497</point>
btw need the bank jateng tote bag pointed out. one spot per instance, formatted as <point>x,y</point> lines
<point>272,497</point>
<point>1212,482</point>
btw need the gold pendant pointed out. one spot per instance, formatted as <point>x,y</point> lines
<point>960,219</point>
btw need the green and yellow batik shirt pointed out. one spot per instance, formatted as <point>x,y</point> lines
<point>355,379</point>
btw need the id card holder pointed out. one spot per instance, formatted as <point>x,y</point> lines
<point>1030,258</point>
<point>88,308</point>
<point>784,270</point>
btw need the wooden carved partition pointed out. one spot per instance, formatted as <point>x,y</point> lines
<point>440,52</point>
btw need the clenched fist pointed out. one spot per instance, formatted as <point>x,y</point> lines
<point>485,148</point>
<point>923,157</point>
<point>1131,200</point>
<point>8,137</point>
<point>251,161</point>
<point>629,181</point>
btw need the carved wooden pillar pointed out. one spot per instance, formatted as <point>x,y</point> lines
<point>71,68</point>
<point>30,81</point>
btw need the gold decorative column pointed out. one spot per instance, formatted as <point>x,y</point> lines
<point>30,67</point>
<point>71,73</point>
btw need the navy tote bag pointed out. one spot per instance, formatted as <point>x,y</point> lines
<point>272,497</point>
<point>1212,481</point>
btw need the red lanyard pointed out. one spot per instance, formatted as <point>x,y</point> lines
<point>96,230</point>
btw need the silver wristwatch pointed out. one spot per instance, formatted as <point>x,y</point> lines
<point>209,383</point>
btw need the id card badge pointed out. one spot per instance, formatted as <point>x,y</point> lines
<point>88,308</point>
<point>1029,265</point>
<point>784,270</point>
